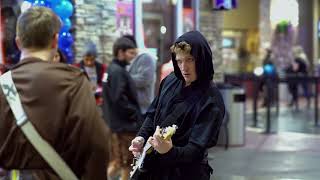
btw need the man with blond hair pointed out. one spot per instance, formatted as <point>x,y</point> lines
<point>57,101</point>
<point>190,100</point>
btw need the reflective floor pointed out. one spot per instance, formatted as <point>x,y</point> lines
<point>292,152</point>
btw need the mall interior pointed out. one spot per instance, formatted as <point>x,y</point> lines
<point>271,131</point>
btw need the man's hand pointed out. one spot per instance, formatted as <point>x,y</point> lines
<point>136,146</point>
<point>159,144</point>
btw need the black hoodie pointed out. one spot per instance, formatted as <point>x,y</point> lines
<point>198,125</point>
<point>201,52</point>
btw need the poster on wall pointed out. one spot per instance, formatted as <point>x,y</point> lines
<point>188,19</point>
<point>125,17</point>
<point>224,4</point>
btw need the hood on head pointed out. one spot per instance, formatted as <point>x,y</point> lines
<point>202,54</point>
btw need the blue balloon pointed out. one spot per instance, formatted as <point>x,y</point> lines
<point>65,51</point>
<point>269,69</point>
<point>31,1</point>
<point>64,9</point>
<point>66,25</point>
<point>70,57</point>
<point>65,40</point>
<point>53,2</point>
<point>68,53</point>
<point>41,3</point>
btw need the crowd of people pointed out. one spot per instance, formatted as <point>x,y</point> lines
<point>299,67</point>
<point>97,118</point>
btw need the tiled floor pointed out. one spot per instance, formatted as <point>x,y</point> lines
<point>291,153</point>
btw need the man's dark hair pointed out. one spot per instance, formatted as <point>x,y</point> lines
<point>123,44</point>
<point>131,37</point>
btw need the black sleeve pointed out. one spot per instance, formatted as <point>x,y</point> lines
<point>147,129</point>
<point>118,93</point>
<point>204,134</point>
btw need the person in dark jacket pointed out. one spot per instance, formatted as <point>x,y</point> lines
<point>269,73</point>
<point>189,99</point>
<point>121,109</point>
<point>298,68</point>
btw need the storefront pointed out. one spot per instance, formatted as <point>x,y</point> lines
<point>163,21</point>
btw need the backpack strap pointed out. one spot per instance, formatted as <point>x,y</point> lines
<point>41,145</point>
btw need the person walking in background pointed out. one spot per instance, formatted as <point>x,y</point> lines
<point>93,69</point>
<point>143,72</point>
<point>57,102</point>
<point>189,99</point>
<point>269,73</point>
<point>120,107</point>
<point>298,68</point>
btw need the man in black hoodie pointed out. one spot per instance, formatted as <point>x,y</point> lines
<point>189,99</point>
<point>120,106</point>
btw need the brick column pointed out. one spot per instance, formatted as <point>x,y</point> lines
<point>211,23</point>
<point>95,20</point>
<point>265,24</point>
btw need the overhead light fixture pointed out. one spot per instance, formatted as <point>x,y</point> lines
<point>163,29</point>
<point>174,2</point>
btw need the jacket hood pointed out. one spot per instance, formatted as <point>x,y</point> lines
<point>201,51</point>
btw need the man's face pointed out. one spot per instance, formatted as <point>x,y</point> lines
<point>129,55</point>
<point>89,61</point>
<point>187,66</point>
